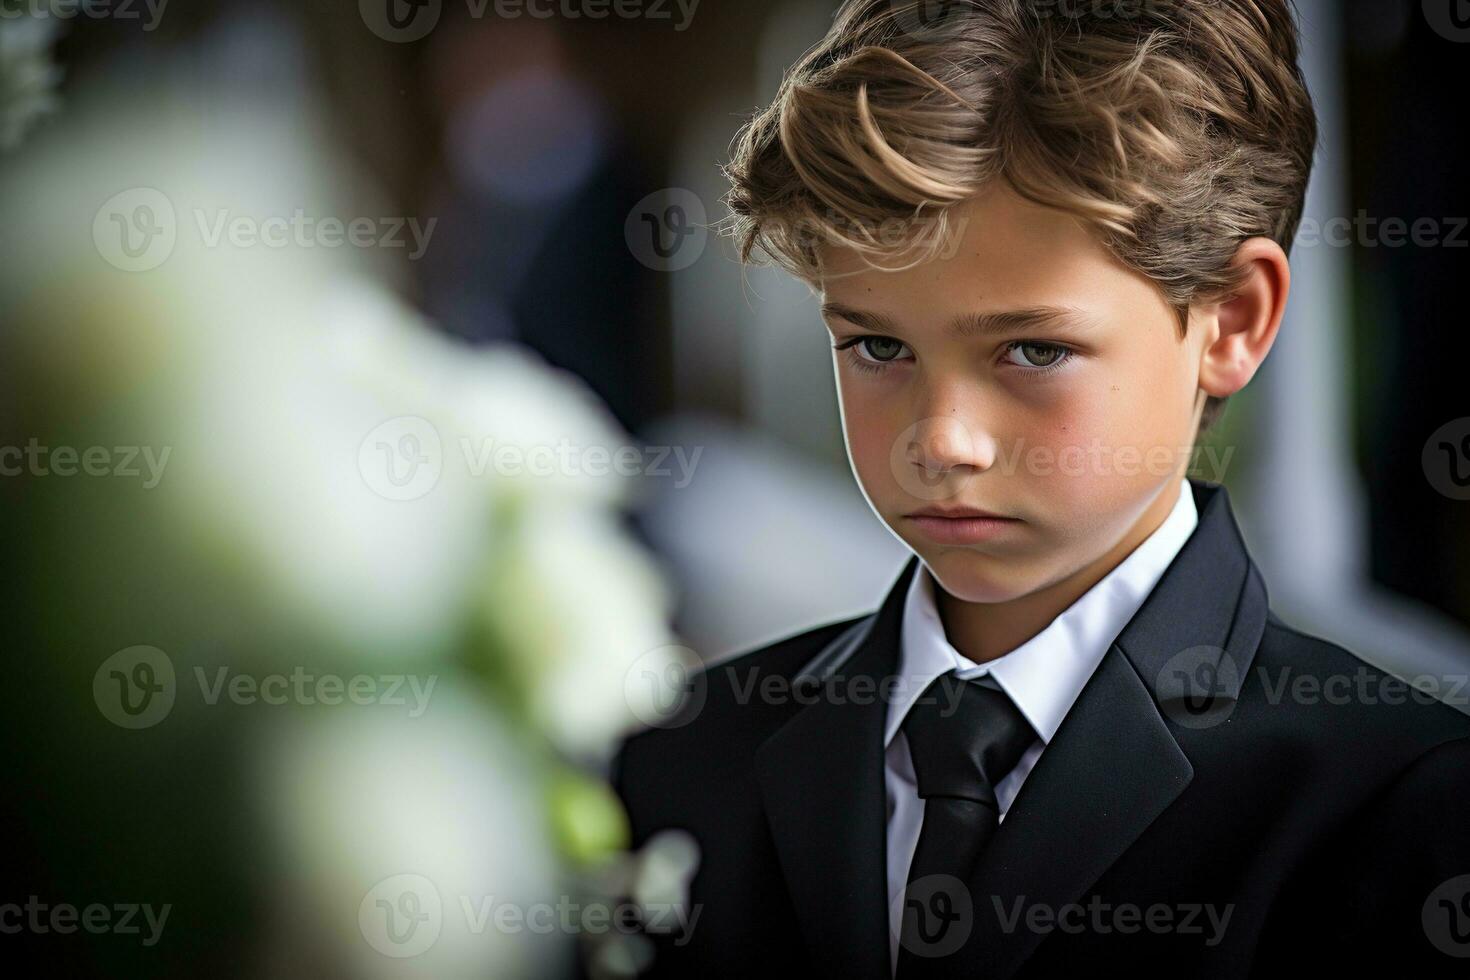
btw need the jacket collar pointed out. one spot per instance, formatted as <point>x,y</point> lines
<point>1113,766</point>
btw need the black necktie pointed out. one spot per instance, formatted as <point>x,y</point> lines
<point>964,738</point>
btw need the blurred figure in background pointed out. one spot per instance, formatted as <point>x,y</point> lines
<point>533,183</point>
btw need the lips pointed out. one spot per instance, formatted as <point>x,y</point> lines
<point>961,525</point>
<point>958,512</point>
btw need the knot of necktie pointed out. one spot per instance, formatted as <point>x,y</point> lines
<point>964,737</point>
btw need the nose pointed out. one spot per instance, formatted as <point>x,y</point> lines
<point>943,444</point>
<point>952,435</point>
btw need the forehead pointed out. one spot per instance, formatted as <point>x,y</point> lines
<point>999,251</point>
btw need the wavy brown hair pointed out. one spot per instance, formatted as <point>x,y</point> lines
<point>1175,128</point>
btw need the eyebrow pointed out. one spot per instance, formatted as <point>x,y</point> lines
<point>968,324</point>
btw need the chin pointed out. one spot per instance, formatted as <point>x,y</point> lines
<point>971,576</point>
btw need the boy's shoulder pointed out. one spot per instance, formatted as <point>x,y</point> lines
<point>1331,718</point>
<point>731,706</point>
<point>1294,668</point>
<point>1386,755</point>
<point>729,691</point>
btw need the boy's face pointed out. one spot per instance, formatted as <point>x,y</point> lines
<point>1068,406</point>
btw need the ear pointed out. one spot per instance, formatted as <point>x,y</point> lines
<point>1240,329</point>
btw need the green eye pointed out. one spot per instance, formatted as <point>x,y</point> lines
<point>881,348</point>
<point>1040,354</point>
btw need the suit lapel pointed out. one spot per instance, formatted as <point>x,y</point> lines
<point>1112,768</point>
<point>822,782</point>
<point>1114,764</point>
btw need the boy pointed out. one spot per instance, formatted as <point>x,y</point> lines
<point>1073,735</point>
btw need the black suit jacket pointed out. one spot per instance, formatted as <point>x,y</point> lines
<point>1217,761</point>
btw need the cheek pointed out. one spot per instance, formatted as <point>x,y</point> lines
<point>869,441</point>
<point>1103,447</point>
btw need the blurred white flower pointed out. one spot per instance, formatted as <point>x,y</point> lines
<point>552,434</point>
<point>656,879</point>
<point>325,498</point>
<point>398,840</point>
<point>283,380</point>
<point>664,867</point>
<point>579,606</point>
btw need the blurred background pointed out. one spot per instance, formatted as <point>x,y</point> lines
<point>289,290</point>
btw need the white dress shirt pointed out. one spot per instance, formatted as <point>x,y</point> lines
<point>1043,676</point>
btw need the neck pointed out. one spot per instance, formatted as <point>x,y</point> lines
<point>985,631</point>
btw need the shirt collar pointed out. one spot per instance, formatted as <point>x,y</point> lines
<point>1044,675</point>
